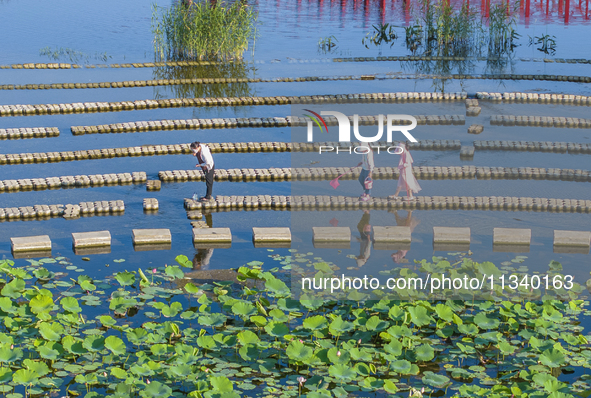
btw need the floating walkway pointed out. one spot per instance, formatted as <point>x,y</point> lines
<point>327,203</point>
<point>295,174</point>
<point>224,123</point>
<point>383,173</point>
<point>540,121</point>
<point>274,146</point>
<point>89,107</point>
<point>68,211</point>
<point>28,132</point>
<point>230,80</point>
<point>78,181</point>
<point>405,58</point>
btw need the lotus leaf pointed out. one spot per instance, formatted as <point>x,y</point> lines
<point>338,326</point>
<point>25,377</point>
<point>316,322</point>
<point>342,373</point>
<point>419,316</point>
<point>435,380</point>
<point>298,352</point>
<point>51,331</point>
<point>424,353</point>
<point>125,278</point>
<point>552,358</point>
<point>115,345</point>
<point>277,329</point>
<point>484,322</point>
<point>156,390</point>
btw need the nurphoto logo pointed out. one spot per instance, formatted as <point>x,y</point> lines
<point>345,126</point>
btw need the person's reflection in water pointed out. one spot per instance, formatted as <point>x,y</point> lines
<point>364,229</point>
<point>208,220</point>
<point>203,256</point>
<point>408,221</point>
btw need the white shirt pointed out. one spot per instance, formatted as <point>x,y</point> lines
<point>206,156</point>
<point>368,161</point>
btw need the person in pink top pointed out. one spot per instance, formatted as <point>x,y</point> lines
<point>407,180</point>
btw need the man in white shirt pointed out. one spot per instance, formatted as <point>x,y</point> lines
<point>203,155</point>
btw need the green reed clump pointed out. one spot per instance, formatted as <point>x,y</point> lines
<point>203,30</point>
<point>440,30</point>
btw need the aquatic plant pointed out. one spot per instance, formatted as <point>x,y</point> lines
<point>441,30</point>
<point>383,33</point>
<point>72,55</point>
<point>66,333</point>
<point>203,30</point>
<point>327,44</point>
<point>546,42</point>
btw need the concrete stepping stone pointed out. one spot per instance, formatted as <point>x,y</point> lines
<point>40,243</point>
<point>572,241</point>
<point>475,129</point>
<point>511,236</point>
<point>332,237</point>
<point>572,238</point>
<point>212,235</point>
<point>151,236</point>
<point>511,240</point>
<point>274,234</point>
<point>272,237</point>
<point>91,239</point>
<point>153,185</point>
<point>392,238</point>
<point>451,238</point>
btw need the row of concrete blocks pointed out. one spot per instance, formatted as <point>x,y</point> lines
<point>168,82</point>
<point>509,239</point>
<point>380,173</point>
<point>126,65</point>
<point>540,121</point>
<point>223,147</point>
<point>454,238</point>
<point>96,242</point>
<point>447,58</point>
<point>28,132</point>
<point>79,107</point>
<point>270,122</point>
<point>352,59</point>
<point>325,203</point>
<point>534,146</point>
<point>79,181</point>
<point>68,211</point>
<point>536,98</point>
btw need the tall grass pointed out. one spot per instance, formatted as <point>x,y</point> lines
<point>441,30</point>
<point>203,30</point>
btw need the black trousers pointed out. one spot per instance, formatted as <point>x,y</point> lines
<point>209,182</point>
